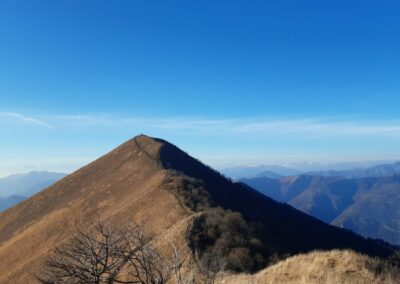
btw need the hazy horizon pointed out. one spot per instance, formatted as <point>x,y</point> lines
<point>302,166</point>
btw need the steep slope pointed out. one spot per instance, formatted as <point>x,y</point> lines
<point>368,206</point>
<point>333,267</point>
<point>126,184</point>
<point>151,181</point>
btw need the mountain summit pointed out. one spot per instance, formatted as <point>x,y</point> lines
<point>151,181</point>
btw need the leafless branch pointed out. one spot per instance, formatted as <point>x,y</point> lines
<point>103,254</point>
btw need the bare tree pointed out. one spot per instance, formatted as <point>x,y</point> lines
<point>183,274</point>
<point>103,254</point>
<point>145,264</point>
<point>210,263</point>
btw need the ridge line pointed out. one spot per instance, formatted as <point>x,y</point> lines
<point>151,157</point>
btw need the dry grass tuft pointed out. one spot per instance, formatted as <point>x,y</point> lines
<point>331,267</point>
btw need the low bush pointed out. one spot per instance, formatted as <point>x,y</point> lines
<point>227,235</point>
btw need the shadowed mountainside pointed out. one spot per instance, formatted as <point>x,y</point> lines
<point>292,230</point>
<point>143,181</point>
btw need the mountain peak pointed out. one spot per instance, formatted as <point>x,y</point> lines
<point>141,148</point>
<point>151,181</point>
<point>164,153</point>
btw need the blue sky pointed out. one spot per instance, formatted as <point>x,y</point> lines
<point>231,82</point>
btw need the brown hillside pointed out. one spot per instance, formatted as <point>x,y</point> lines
<point>127,182</point>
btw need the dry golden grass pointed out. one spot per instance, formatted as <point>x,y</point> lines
<point>124,185</point>
<point>331,267</point>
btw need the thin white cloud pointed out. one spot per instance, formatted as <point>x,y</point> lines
<point>26,119</point>
<point>257,126</point>
<point>320,127</point>
<point>313,127</point>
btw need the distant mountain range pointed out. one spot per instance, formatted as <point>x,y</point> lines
<point>6,202</point>
<point>272,171</point>
<point>375,171</point>
<point>368,206</point>
<point>267,170</point>
<point>15,188</point>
